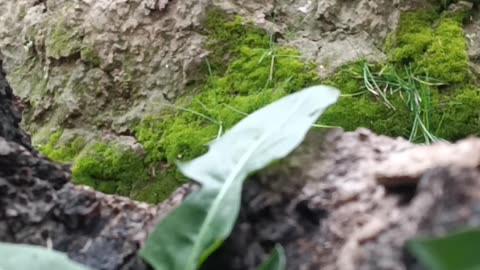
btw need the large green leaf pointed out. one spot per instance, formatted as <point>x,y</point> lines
<point>26,257</point>
<point>200,224</point>
<point>458,251</point>
<point>276,261</point>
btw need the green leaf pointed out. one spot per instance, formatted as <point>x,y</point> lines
<point>184,239</point>
<point>276,261</point>
<point>457,251</point>
<point>26,257</point>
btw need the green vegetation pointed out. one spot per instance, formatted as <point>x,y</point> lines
<point>456,250</point>
<point>62,152</point>
<point>438,52</point>
<point>256,75</point>
<point>206,217</point>
<point>109,168</point>
<point>116,169</point>
<point>423,92</point>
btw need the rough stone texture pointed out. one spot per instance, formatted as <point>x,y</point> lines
<point>101,65</point>
<point>40,206</point>
<point>472,29</point>
<point>353,201</point>
<point>10,115</point>
<point>95,64</point>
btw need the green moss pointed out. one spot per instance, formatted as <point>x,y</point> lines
<point>229,34</point>
<point>109,168</point>
<point>457,114</point>
<point>413,37</point>
<point>359,108</point>
<point>446,58</point>
<point>22,13</point>
<point>248,84</point>
<point>62,41</point>
<point>248,72</point>
<point>62,152</point>
<point>388,46</point>
<point>115,169</point>
<point>90,56</point>
<point>452,113</point>
<point>440,52</point>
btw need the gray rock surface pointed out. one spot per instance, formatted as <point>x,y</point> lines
<point>472,35</point>
<point>40,206</point>
<point>10,114</point>
<point>353,200</point>
<point>102,65</point>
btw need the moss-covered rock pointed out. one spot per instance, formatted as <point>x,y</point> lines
<point>257,73</point>
<point>428,45</point>
<point>65,152</point>
<point>248,70</point>
<point>62,41</point>
<point>109,168</point>
<point>90,56</point>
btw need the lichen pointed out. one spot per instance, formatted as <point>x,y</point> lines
<point>62,41</point>
<point>90,56</point>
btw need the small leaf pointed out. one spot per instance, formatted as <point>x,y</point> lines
<point>458,251</point>
<point>194,230</point>
<point>276,261</point>
<point>26,257</point>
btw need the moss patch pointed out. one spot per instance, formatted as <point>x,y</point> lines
<point>109,168</point>
<point>62,152</point>
<point>439,52</point>
<point>62,41</point>
<point>115,169</point>
<point>257,74</point>
<point>428,44</point>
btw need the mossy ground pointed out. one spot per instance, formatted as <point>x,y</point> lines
<point>247,71</point>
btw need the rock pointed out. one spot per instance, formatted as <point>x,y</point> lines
<point>347,204</point>
<point>101,66</point>
<point>40,206</point>
<point>343,200</point>
<point>473,42</point>
<point>10,115</point>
